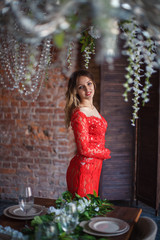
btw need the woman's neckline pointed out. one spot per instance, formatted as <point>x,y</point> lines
<point>92,107</point>
<point>88,116</point>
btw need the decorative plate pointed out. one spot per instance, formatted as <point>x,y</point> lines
<point>108,225</point>
<point>34,211</point>
<point>87,229</point>
<point>8,214</point>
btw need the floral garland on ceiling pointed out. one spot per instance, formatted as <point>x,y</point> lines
<point>140,50</point>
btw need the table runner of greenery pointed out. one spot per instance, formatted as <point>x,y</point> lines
<point>48,226</point>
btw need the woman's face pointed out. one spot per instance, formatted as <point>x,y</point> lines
<point>85,88</point>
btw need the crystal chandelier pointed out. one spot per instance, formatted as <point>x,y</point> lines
<point>26,29</point>
<point>23,65</point>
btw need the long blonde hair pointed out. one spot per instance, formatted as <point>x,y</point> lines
<point>72,98</point>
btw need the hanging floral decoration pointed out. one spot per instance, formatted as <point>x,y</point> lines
<point>88,48</point>
<point>70,54</point>
<point>140,50</point>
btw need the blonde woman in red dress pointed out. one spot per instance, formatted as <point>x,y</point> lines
<point>89,128</point>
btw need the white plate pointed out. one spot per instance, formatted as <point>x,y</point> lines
<point>108,225</point>
<point>8,214</point>
<point>34,211</point>
<point>87,229</point>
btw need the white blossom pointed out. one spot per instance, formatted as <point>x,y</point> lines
<point>54,210</point>
<point>86,201</point>
<point>96,209</point>
<point>94,32</point>
<point>81,206</point>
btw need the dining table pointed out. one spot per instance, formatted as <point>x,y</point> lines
<point>130,215</point>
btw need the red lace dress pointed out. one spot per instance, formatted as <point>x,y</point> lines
<point>84,170</point>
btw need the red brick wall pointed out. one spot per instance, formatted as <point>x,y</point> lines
<point>35,146</point>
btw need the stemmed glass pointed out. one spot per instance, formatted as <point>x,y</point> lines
<point>47,231</point>
<point>69,217</point>
<point>25,199</point>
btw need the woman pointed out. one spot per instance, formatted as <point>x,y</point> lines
<point>89,128</point>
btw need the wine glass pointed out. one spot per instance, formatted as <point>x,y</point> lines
<point>69,217</point>
<point>25,199</point>
<point>47,231</point>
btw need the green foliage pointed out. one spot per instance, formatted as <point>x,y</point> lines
<point>41,219</point>
<point>73,21</point>
<point>66,197</point>
<point>86,40</point>
<point>96,207</point>
<point>59,39</point>
<point>92,204</point>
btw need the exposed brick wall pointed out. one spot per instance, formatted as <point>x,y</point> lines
<point>35,146</point>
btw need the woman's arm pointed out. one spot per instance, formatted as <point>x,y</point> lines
<point>80,127</point>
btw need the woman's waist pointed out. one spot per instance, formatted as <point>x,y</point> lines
<point>99,144</point>
<point>81,158</point>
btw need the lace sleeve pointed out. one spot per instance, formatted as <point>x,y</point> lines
<point>81,132</point>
